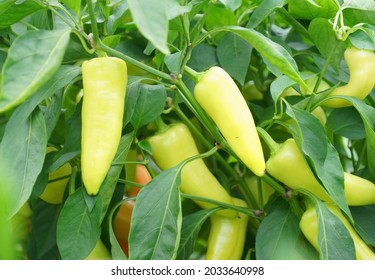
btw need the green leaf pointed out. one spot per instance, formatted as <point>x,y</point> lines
<point>116,251</point>
<point>279,236</point>
<point>22,153</point>
<point>174,61</point>
<point>174,9</point>
<point>43,235</point>
<point>152,21</point>
<point>32,60</point>
<point>203,50</point>
<point>12,11</point>
<point>271,51</point>
<point>311,9</point>
<point>232,4</point>
<point>237,60</point>
<point>325,40</point>
<point>144,103</point>
<point>74,5</point>
<point>108,187</point>
<point>359,11</point>
<point>156,220</point>
<point>265,8</point>
<point>119,11</point>
<point>320,154</point>
<point>364,217</point>
<point>334,239</point>
<point>78,228</point>
<point>191,225</point>
<point>219,16</point>
<point>346,122</point>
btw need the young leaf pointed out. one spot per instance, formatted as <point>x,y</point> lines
<point>32,60</point>
<point>22,153</point>
<point>334,239</point>
<point>151,22</point>
<point>156,220</point>
<point>191,225</point>
<point>278,236</point>
<point>78,229</point>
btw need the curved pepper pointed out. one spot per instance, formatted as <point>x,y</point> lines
<point>176,144</point>
<point>100,252</point>
<point>104,86</point>
<point>288,157</point>
<point>361,65</point>
<point>309,227</point>
<point>220,97</point>
<point>227,235</point>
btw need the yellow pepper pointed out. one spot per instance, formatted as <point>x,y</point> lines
<point>104,86</point>
<point>220,97</point>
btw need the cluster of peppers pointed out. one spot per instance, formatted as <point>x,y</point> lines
<point>104,83</point>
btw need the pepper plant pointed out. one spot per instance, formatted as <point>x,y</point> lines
<point>187,129</point>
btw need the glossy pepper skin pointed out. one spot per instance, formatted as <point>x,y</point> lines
<point>227,235</point>
<point>104,86</point>
<point>358,191</point>
<point>54,191</point>
<point>309,227</point>
<point>220,97</point>
<point>288,158</point>
<point>171,147</point>
<point>361,65</point>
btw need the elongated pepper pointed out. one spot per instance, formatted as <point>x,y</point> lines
<point>104,86</point>
<point>175,144</point>
<point>227,235</point>
<point>220,97</point>
<point>309,228</point>
<point>288,157</point>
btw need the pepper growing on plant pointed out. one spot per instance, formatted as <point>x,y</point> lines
<point>362,77</point>
<point>104,85</point>
<point>100,252</point>
<point>220,97</point>
<point>173,145</point>
<point>288,156</point>
<point>309,227</point>
<point>227,235</point>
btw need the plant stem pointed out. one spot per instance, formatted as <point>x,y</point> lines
<point>272,145</point>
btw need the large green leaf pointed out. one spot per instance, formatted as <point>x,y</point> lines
<point>78,227</point>
<point>156,220</point>
<point>22,153</point>
<point>191,225</point>
<point>334,239</point>
<point>310,9</point>
<point>321,155</point>
<point>32,60</point>
<point>264,9</point>
<point>364,217</point>
<point>274,53</point>
<point>279,236</point>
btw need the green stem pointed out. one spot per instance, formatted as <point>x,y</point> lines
<point>293,22</point>
<point>272,182</point>
<point>195,76</point>
<point>136,63</point>
<point>203,139</point>
<point>294,205</point>
<point>94,25</point>
<point>129,182</point>
<point>72,182</point>
<point>162,126</point>
<point>272,145</point>
<point>246,211</point>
